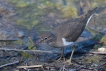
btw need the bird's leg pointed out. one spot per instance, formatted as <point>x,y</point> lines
<point>71,55</point>
<point>73,48</point>
<point>62,55</point>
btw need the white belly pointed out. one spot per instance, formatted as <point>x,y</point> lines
<point>65,43</point>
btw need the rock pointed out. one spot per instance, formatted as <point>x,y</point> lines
<point>102,49</point>
<point>21,34</point>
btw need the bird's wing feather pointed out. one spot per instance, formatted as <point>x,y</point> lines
<point>75,31</point>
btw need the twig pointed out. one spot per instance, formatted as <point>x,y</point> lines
<point>33,66</point>
<point>98,53</point>
<point>40,51</point>
<point>31,40</point>
<point>63,68</point>
<point>9,64</point>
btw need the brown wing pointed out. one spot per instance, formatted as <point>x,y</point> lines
<point>70,30</point>
<point>76,28</point>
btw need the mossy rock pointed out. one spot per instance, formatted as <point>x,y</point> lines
<point>25,54</point>
<point>35,22</point>
<point>95,4</point>
<point>47,2</point>
<point>98,37</point>
<point>20,42</point>
<point>30,45</point>
<point>21,21</point>
<point>14,1</point>
<point>103,39</point>
<point>22,4</point>
<point>94,59</point>
<point>68,11</point>
<point>99,3</point>
<point>97,46</point>
<point>27,23</point>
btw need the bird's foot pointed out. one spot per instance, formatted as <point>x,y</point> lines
<point>61,58</point>
<point>68,62</point>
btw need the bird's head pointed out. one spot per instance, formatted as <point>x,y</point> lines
<point>47,37</point>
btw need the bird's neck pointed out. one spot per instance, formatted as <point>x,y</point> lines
<point>86,18</point>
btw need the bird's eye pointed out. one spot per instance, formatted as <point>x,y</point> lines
<point>45,37</point>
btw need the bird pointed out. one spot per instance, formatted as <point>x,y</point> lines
<point>67,33</point>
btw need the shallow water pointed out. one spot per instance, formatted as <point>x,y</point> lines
<point>35,17</point>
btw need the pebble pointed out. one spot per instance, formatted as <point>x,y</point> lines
<point>21,34</point>
<point>102,49</point>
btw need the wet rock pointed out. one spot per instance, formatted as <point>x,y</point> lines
<point>21,34</point>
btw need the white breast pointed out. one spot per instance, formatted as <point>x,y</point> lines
<point>65,43</point>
